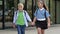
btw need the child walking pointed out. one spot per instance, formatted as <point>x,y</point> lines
<point>20,19</point>
<point>41,19</point>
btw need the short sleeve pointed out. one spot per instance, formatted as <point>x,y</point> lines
<point>47,14</point>
<point>35,13</point>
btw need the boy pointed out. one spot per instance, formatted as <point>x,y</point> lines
<point>20,19</point>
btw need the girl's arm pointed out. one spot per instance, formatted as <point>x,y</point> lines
<point>48,19</point>
<point>34,20</point>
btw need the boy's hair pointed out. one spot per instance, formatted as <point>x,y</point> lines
<point>20,4</point>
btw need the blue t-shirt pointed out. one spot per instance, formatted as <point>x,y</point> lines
<point>40,14</point>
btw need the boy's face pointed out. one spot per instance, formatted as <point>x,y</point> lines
<point>20,7</point>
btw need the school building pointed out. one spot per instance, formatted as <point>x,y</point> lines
<point>7,8</point>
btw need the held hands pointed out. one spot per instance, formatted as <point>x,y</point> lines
<point>32,23</point>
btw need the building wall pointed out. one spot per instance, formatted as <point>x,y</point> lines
<point>51,6</point>
<point>52,10</point>
<point>58,11</point>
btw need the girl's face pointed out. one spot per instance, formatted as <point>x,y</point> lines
<point>20,7</point>
<point>40,5</point>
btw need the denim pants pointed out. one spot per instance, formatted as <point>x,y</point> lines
<point>21,29</point>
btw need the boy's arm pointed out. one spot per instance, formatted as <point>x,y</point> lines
<point>14,19</point>
<point>28,17</point>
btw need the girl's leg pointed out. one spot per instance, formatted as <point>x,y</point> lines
<point>42,31</point>
<point>39,30</point>
<point>19,29</point>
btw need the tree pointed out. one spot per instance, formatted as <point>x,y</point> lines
<point>15,4</point>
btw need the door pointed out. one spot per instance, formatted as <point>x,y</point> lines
<point>58,11</point>
<point>8,13</point>
<point>1,10</point>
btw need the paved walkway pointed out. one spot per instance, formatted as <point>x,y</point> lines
<point>54,29</point>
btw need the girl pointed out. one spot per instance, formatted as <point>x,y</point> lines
<point>41,15</point>
<point>20,19</point>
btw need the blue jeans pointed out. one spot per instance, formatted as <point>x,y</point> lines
<point>21,29</point>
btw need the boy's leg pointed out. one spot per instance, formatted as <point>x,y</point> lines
<point>19,29</point>
<point>23,29</point>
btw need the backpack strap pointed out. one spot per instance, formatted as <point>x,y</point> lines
<point>25,13</point>
<point>45,15</point>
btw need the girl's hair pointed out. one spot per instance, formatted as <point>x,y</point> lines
<point>44,5</point>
